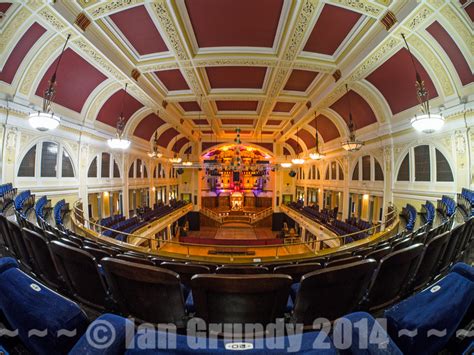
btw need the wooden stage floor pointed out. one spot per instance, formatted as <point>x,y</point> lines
<point>236,231</point>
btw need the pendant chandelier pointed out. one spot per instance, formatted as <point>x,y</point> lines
<point>297,160</point>
<point>175,159</point>
<point>427,122</point>
<point>286,163</point>
<point>46,120</point>
<point>187,162</point>
<point>351,144</point>
<point>120,142</point>
<point>155,153</point>
<point>316,155</point>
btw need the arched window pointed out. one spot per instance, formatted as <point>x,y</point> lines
<point>367,168</point>
<point>103,166</point>
<point>425,163</point>
<point>138,170</point>
<point>53,161</point>
<point>334,171</point>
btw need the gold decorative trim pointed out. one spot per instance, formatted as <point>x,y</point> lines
<point>435,64</point>
<point>460,27</point>
<point>13,27</point>
<point>98,58</point>
<point>39,62</point>
<point>50,17</point>
<point>105,7</point>
<point>366,7</point>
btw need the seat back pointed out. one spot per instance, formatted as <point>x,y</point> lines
<point>41,258</point>
<point>464,238</point>
<point>402,244</point>
<point>69,242</point>
<point>6,243</point>
<point>394,275</point>
<point>339,256</point>
<point>149,293</point>
<point>379,253</point>
<point>332,292</point>
<point>236,299</point>
<point>450,252</point>
<point>97,253</point>
<point>134,259</point>
<point>185,271</point>
<point>80,272</point>
<point>296,271</point>
<point>19,244</point>
<point>431,258</point>
<point>244,270</point>
<point>344,261</point>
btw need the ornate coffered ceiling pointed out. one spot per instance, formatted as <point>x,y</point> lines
<point>197,69</point>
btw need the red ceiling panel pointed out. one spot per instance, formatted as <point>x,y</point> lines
<point>470,11</point>
<point>207,132</point>
<point>283,106</point>
<point>246,23</point>
<point>236,121</point>
<point>190,106</point>
<point>294,144</point>
<point>300,80</point>
<point>237,105</point>
<point>76,79</point>
<point>236,77</point>
<point>453,52</point>
<point>4,6</point>
<point>362,114</point>
<point>273,122</point>
<point>267,132</point>
<point>21,49</point>
<point>308,139</point>
<point>286,151</point>
<point>399,90</point>
<point>180,144</point>
<point>330,30</point>
<point>147,126</point>
<point>110,111</point>
<point>139,29</point>
<point>201,122</point>
<point>165,138</point>
<point>189,150</point>
<point>172,79</point>
<point>326,128</point>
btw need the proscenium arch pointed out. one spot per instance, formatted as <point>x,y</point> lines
<point>244,144</point>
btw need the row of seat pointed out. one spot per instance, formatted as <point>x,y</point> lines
<point>26,305</point>
<point>5,188</point>
<point>370,283</point>
<point>447,206</point>
<point>409,213</point>
<point>108,221</point>
<point>466,201</point>
<point>429,212</point>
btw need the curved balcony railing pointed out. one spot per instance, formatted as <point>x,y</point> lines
<point>140,241</point>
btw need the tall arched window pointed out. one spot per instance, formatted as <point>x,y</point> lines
<point>425,163</point>
<point>47,160</point>
<point>367,168</point>
<point>334,171</point>
<point>138,170</point>
<point>103,166</point>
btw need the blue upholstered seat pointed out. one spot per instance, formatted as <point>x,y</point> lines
<point>425,322</point>
<point>464,270</point>
<point>367,336</point>
<point>31,307</point>
<point>107,335</point>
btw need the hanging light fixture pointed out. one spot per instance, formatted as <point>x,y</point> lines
<point>119,142</point>
<point>46,120</point>
<point>155,153</point>
<point>187,162</point>
<point>297,160</point>
<point>351,144</point>
<point>175,159</point>
<point>316,155</point>
<point>427,122</point>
